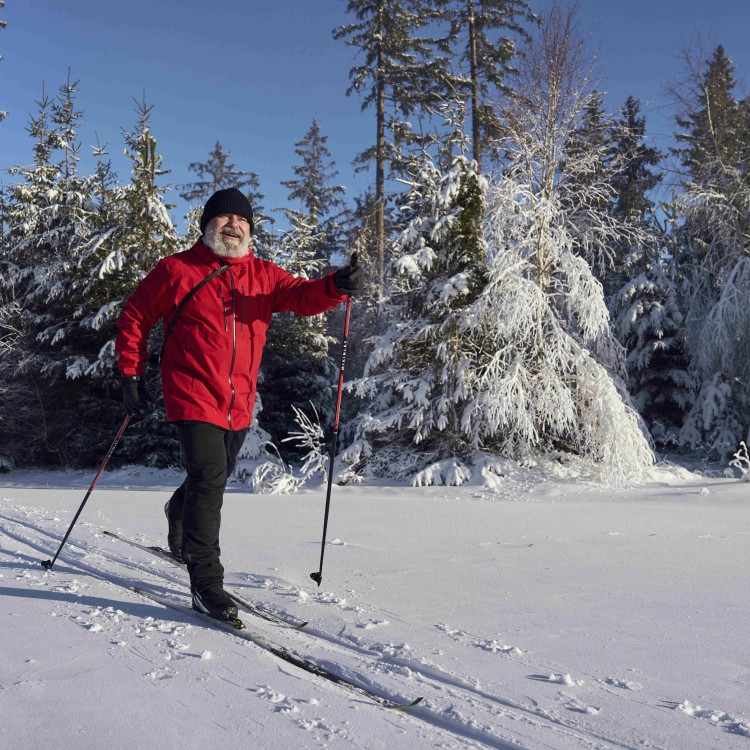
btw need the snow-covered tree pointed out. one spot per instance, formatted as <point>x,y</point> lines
<point>714,149</point>
<point>648,322</point>
<point>321,201</point>
<point>556,373</point>
<point>641,288</point>
<point>47,215</point>
<point>49,222</point>
<point>417,384</point>
<point>500,338</point>
<point>136,231</point>
<point>633,180</point>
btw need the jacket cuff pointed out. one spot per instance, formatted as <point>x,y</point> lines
<point>332,289</point>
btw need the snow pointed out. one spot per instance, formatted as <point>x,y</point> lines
<point>530,611</point>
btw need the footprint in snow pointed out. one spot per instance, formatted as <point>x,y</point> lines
<point>623,684</point>
<point>726,721</point>
<point>160,674</point>
<point>372,624</point>
<point>557,679</point>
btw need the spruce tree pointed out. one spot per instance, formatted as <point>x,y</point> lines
<point>648,322</point>
<point>397,78</point>
<point>418,382</point>
<point>143,233</point>
<point>49,224</point>
<point>713,150</point>
<point>635,178</point>
<point>321,201</point>
<point>641,290</point>
<point>484,34</point>
<point>218,173</point>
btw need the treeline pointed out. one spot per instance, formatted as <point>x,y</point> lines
<point>541,277</point>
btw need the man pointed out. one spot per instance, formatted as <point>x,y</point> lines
<point>209,368</point>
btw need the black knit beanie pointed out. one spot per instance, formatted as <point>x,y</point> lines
<point>229,201</point>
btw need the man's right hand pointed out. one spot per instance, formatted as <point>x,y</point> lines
<point>134,395</point>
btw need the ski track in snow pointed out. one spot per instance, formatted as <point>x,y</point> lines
<point>456,706</point>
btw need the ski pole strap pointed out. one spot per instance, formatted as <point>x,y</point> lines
<point>187,299</point>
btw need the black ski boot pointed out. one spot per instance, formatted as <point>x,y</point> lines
<point>174,534</point>
<point>216,602</point>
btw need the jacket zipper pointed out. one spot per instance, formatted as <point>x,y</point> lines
<point>233,321</point>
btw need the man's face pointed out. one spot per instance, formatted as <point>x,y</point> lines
<point>228,235</point>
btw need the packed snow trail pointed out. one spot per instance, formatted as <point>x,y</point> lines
<point>562,624</point>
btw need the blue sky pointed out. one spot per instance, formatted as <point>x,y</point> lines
<point>253,75</point>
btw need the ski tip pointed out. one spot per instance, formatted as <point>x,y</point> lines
<point>404,706</point>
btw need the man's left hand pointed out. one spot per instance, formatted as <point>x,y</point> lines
<point>350,279</point>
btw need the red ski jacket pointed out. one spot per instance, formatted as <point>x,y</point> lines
<point>211,359</point>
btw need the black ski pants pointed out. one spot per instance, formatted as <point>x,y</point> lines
<point>210,455</point>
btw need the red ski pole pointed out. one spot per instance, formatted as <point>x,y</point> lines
<point>47,564</point>
<point>318,576</point>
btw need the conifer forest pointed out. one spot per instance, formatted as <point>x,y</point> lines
<point>540,278</point>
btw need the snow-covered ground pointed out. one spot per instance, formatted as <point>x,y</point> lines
<point>530,612</point>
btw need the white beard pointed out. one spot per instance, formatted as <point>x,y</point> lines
<point>225,246</point>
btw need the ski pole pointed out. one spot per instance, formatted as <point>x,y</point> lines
<point>318,576</point>
<point>47,564</point>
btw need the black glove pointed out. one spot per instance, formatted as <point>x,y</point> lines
<point>134,395</point>
<point>349,279</point>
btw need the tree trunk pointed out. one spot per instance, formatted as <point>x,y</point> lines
<point>380,157</point>
<point>476,136</point>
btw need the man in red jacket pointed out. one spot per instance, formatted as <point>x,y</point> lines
<point>209,367</point>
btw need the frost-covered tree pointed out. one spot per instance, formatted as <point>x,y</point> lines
<point>418,382</point>
<point>397,78</point>
<point>48,215</point>
<point>503,343</point>
<point>642,292</point>
<point>648,322</point>
<point>556,373</point>
<point>136,231</point>
<point>215,174</point>
<point>714,149</point>
<point>49,221</point>
<point>322,202</point>
<point>140,233</point>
